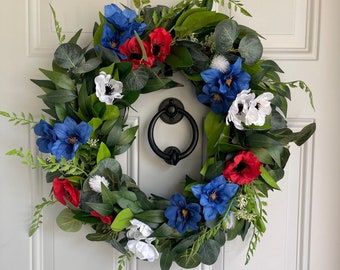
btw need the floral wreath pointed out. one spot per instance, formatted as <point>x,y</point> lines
<point>87,96</point>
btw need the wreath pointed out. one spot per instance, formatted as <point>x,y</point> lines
<point>88,94</point>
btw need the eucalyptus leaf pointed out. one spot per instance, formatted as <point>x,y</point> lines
<point>87,66</point>
<point>251,49</point>
<point>68,55</point>
<point>67,222</point>
<point>186,261</point>
<point>226,32</point>
<point>209,251</point>
<point>136,79</point>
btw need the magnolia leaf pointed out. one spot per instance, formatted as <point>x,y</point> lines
<point>67,222</point>
<point>122,220</point>
<point>209,251</point>
<point>166,260</point>
<point>68,55</point>
<point>305,134</point>
<point>103,152</point>
<point>163,231</point>
<point>59,79</point>
<point>59,96</point>
<point>101,208</point>
<point>97,237</point>
<point>251,49</point>
<point>128,136</point>
<point>179,57</point>
<point>268,178</point>
<point>155,216</point>
<point>214,170</point>
<point>226,33</point>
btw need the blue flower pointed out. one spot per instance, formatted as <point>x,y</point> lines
<point>181,215</point>
<point>221,88</point>
<point>124,25</point>
<point>47,136</point>
<point>69,136</point>
<point>214,196</point>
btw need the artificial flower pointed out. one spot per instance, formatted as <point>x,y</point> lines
<point>160,41</point>
<point>47,136</point>
<point>113,40</point>
<point>214,196</point>
<point>239,108</point>
<point>259,108</point>
<point>143,250</point>
<point>181,215</point>
<point>108,89</point>
<point>64,191</point>
<point>69,136</point>
<point>96,182</point>
<point>138,230</point>
<point>105,219</point>
<point>243,169</point>
<point>132,50</point>
<point>220,63</point>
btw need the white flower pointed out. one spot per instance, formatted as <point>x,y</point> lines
<point>143,250</point>
<point>138,230</point>
<point>107,89</point>
<point>220,63</point>
<point>258,109</point>
<point>230,221</point>
<point>95,183</point>
<point>239,108</point>
<point>141,245</point>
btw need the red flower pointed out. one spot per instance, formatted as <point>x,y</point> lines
<point>105,219</point>
<point>63,189</point>
<point>244,169</point>
<point>160,40</point>
<point>132,50</point>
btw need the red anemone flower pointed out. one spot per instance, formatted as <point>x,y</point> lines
<point>160,40</point>
<point>244,169</point>
<point>105,219</point>
<point>63,189</point>
<point>132,50</point>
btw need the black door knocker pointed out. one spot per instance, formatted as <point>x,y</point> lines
<point>171,111</point>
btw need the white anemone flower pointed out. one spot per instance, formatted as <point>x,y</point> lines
<point>220,63</point>
<point>141,245</point>
<point>138,230</point>
<point>96,181</point>
<point>259,108</point>
<point>108,89</point>
<point>239,108</point>
<point>143,250</point>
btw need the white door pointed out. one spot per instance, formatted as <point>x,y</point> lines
<point>302,35</point>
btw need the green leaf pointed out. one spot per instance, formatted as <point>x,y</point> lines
<point>127,199</point>
<point>103,152</point>
<point>209,251</point>
<point>75,37</point>
<point>268,178</point>
<point>97,237</point>
<point>251,49</point>
<point>226,33</point>
<point>122,220</point>
<point>155,216</point>
<point>109,164</point>
<point>68,55</point>
<point>179,57</point>
<point>101,208</point>
<point>166,260</point>
<point>59,79</point>
<point>107,195</point>
<point>87,66</point>
<point>128,136</point>
<point>59,96</point>
<point>186,261</point>
<point>305,134</point>
<point>67,222</point>
<point>163,231</point>
<point>214,170</point>
<point>136,79</point>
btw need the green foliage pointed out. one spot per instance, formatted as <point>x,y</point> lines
<point>22,119</point>
<point>58,28</point>
<point>37,215</point>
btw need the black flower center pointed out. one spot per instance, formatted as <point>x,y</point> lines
<point>108,89</point>
<point>240,108</point>
<point>156,50</point>
<point>241,166</point>
<point>258,106</point>
<point>135,56</point>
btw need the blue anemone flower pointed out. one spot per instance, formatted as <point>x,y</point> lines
<point>69,136</point>
<point>181,215</point>
<point>124,27</point>
<point>214,196</point>
<point>221,89</point>
<point>47,136</point>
